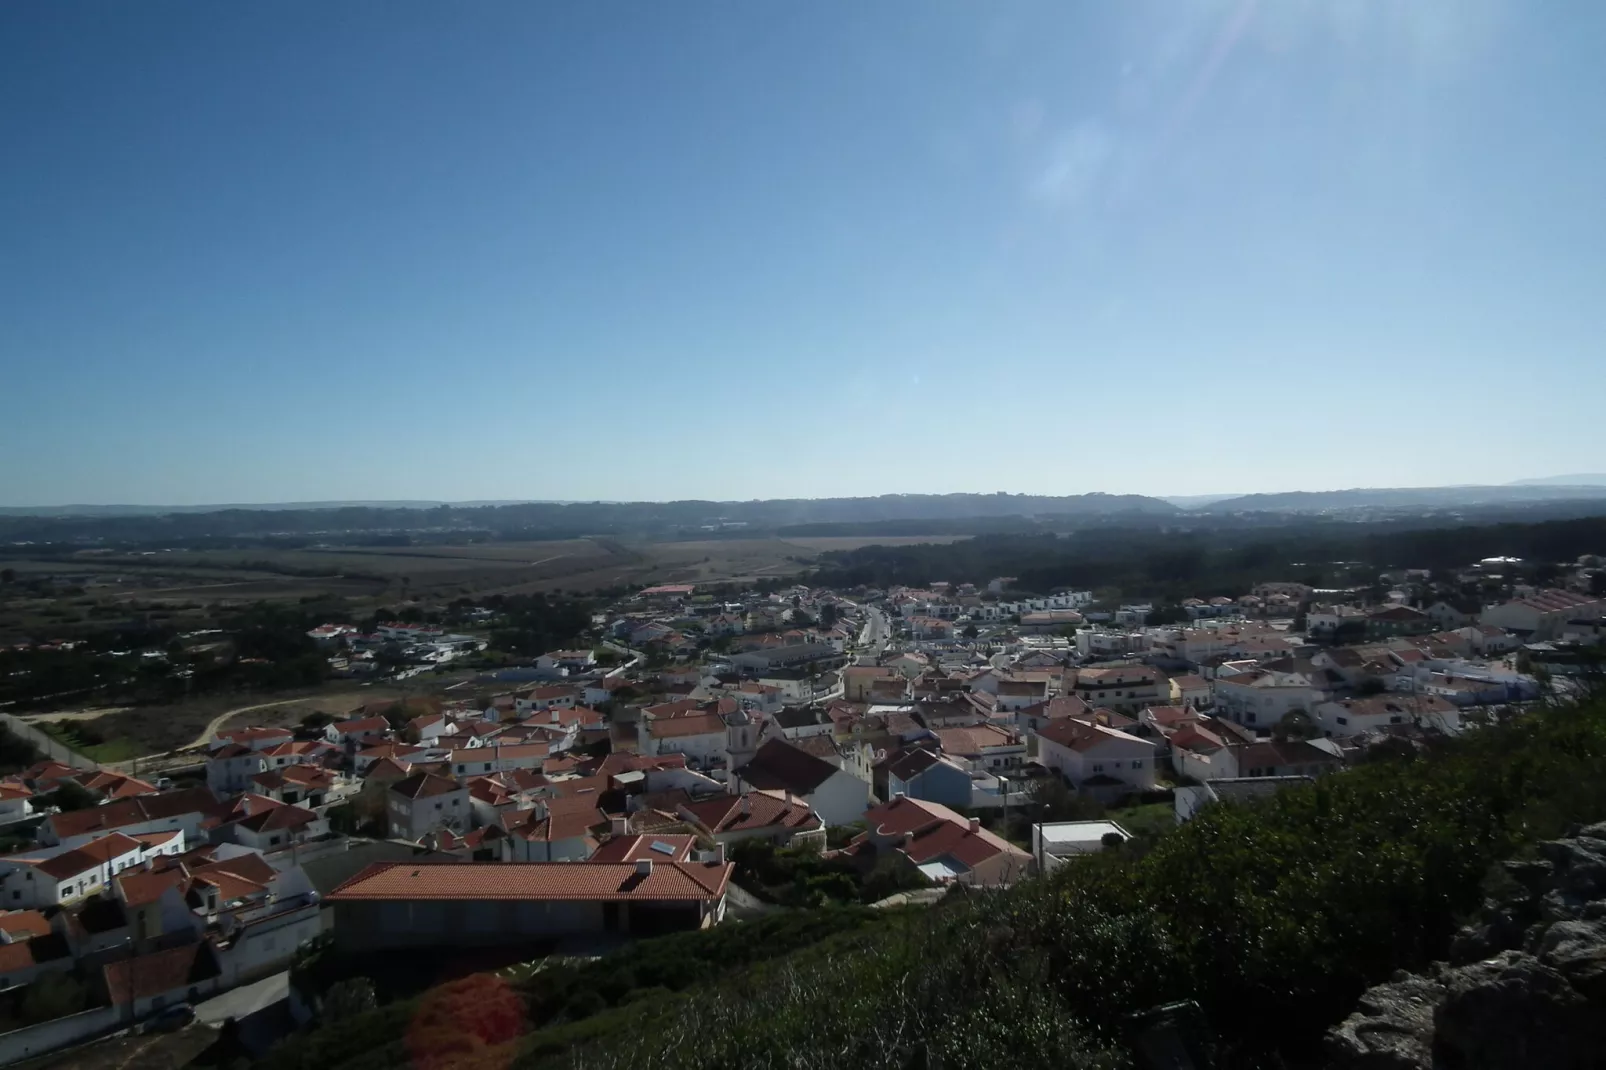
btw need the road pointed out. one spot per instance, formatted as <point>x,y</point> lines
<point>873,638</point>
<point>244,1001</point>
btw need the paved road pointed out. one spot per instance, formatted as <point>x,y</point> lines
<point>244,1001</point>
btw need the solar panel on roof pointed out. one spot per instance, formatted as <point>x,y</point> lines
<point>663,848</point>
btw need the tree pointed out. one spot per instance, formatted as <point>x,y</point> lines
<point>70,795</point>
<point>828,615</point>
<point>969,631</point>
<point>1294,725</point>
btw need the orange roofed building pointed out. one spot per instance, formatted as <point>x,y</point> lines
<point>457,904</point>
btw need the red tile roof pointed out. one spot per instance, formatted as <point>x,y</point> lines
<point>423,786</point>
<point>672,848</point>
<point>755,810</point>
<point>537,881</point>
<point>144,976</point>
<point>141,888</point>
<point>22,924</point>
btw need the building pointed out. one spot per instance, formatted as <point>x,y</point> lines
<point>941,845</point>
<point>424,802</point>
<point>1054,842</point>
<point>834,793</point>
<point>1121,687</point>
<point>1544,614</point>
<point>1357,716</point>
<point>771,815</point>
<point>930,776</point>
<point>1261,698</point>
<point>478,904</point>
<point>1391,621</point>
<point>1096,757</point>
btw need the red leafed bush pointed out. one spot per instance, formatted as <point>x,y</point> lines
<point>467,1024</point>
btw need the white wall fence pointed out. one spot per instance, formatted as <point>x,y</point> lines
<point>34,1040</point>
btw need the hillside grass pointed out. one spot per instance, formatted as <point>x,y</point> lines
<point>1272,917</point>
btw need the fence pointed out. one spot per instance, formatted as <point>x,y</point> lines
<point>58,1033</point>
<point>48,745</point>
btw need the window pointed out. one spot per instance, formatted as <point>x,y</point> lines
<point>1138,764</point>
<point>1342,720</point>
<point>1098,768</point>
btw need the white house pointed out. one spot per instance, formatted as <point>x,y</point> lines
<point>1543,614</point>
<point>1261,697</point>
<point>1357,716</point>
<point>1082,752</point>
<point>52,877</point>
<point>424,802</point>
<point>569,661</point>
<point>1128,687</point>
<point>229,769</point>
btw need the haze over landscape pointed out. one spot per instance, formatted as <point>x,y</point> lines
<point>657,251</point>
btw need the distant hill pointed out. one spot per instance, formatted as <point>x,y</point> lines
<point>1197,501</point>
<point>171,510</point>
<point>1594,479</point>
<point>538,520</point>
<point>1302,501</point>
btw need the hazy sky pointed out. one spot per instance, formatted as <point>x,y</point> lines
<point>752,248</point>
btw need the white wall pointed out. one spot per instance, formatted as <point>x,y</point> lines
<point>842,799</point>
<point>48,1036</point>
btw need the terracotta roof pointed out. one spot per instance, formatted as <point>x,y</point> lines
<point>423,786</point>
<point>1270,753</point>
<point>140,888</point>
<point>755,810</point>
<point>696,725</point>
<point>904,814</point>
<point>970,740</point>
<point>672,848</point>
<point>1168,716</point>
<point>144,976</point>
<point>1080,736</point>
<point>911,764</point>
<point>564,824</point>
<point>91,855</point>
<point>133,810</point>
<point>779,765</point>
<point>282,817</point>
<point>22,924</point>
<point>539,881</point>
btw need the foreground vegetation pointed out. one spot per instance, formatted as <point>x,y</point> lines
<point>1272,917</point>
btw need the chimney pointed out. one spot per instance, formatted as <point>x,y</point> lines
<point>975,824</point>
<point>619,826</point>
<point>747,806</point>
<point>719,853</point>
<point>644,867</point>
<point>899,795</point>
<point>908,838</point>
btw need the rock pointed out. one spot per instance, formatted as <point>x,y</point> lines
<point>1525,988</point>
<point>1577,950</point>
<point>1513,1011</point>
<point>1393,1030</point>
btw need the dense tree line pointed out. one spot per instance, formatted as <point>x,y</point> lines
<point>1177,564</point>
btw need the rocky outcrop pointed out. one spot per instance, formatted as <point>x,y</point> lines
<point>1523,989</point>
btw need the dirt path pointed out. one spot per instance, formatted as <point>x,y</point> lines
<point>73,715</point>
<point>217,722</point>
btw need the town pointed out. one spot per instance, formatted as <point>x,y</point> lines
<point>694,758</point>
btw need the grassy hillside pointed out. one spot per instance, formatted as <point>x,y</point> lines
<point>1272,917</point>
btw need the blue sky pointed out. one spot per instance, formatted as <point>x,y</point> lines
<point>736,249</point>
